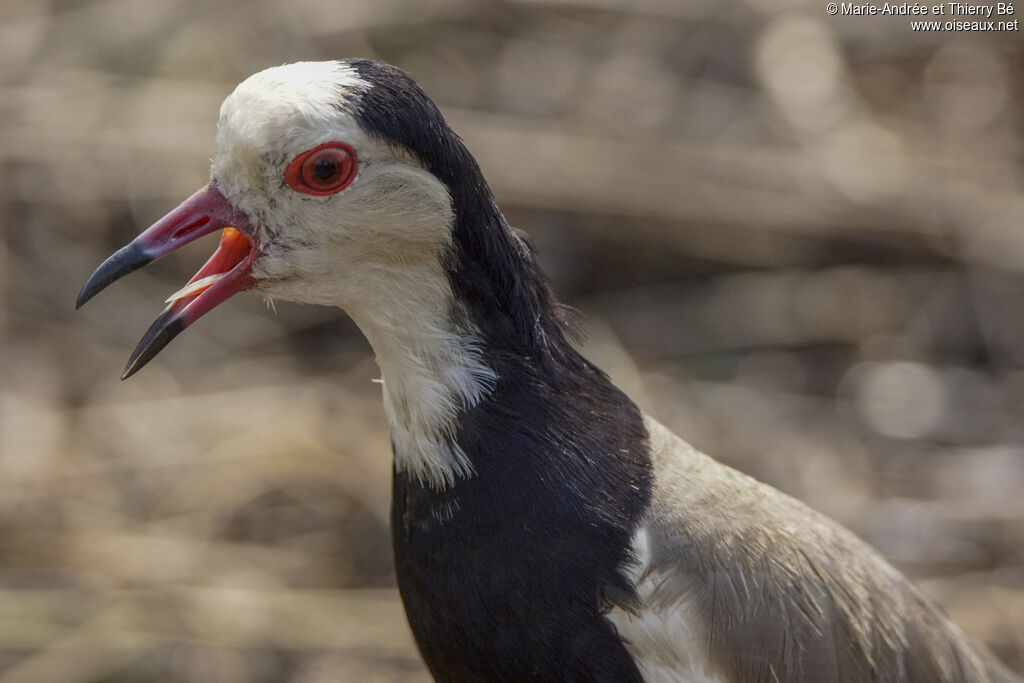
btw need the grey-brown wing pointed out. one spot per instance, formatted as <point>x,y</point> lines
<point>778,592</point>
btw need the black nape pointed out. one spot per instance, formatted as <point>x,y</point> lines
<point>515,583</point>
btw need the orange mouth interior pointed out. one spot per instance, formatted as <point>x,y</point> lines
<point>233,248</point>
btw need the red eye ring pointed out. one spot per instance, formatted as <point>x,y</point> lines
<point>322,170</point>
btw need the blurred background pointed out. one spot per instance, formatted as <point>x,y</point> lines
<point>796,239</point>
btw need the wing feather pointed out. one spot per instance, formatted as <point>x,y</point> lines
<point>774,591</point>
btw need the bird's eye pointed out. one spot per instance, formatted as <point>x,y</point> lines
<point>325,169</point>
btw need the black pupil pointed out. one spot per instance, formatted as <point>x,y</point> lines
<point>325,168</point>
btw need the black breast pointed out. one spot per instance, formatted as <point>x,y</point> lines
<point>506,576</point>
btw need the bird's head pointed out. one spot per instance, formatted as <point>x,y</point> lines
<point>332,183</point>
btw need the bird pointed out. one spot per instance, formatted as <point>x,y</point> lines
<point>543,527</point>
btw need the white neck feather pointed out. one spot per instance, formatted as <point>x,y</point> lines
<point>376,250</point>
<point>432,369</point>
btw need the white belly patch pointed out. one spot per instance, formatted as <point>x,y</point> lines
<point>667,641</point>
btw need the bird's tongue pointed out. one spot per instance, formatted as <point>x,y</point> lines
<point>232,250</point>
<point>226,273</point>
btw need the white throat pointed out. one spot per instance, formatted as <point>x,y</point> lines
<point>376,250</point>
<point>432,370</point>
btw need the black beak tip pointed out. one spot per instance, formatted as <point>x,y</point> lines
<point>125,260</point>
<point>84,295</point>
<point>165,328</point>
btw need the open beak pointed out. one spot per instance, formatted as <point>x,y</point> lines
<point>228,271</point>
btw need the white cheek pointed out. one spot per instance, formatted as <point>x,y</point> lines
<point>394,205</point>
<point>359,245</point>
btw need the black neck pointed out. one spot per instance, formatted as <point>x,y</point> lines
<point>507,574</point>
